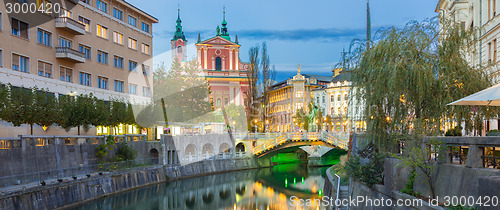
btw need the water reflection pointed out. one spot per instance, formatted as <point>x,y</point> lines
<point>269,188</point>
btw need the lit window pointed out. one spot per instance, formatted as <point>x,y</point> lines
<point>132,43</point>
<point>117,37</point>
<point>44,69</point>
<point>85,22</point>
<point>102,31</point>
<point>145,48</point>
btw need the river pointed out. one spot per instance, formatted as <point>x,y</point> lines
<point>267,188</point>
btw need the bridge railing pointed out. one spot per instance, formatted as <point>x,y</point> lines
<point>340,140</point>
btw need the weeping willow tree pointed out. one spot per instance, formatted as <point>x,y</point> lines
<point>409,75</point>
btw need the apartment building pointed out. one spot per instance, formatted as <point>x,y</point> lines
<point>485,15</point>
<point>103,47</point>
<point>335,101</point>
<point>289,96</point>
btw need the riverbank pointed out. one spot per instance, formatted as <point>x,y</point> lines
<point>75,192</point>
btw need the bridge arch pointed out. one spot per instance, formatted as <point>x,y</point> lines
<point>224,148</point>
<point>153,153</point>
<point>190,150</point>
<point>207,149</point>
<point>241,147</point>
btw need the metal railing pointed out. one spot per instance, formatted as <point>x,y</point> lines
<point>70,51</point>
<point>70,21</point>
<point>309,136</point>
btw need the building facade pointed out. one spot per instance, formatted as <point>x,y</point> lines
<point>485,15</point>
<point>218,57</point>
<point>103,47</point>
<point>289,96</point>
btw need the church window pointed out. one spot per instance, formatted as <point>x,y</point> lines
<point>179,49</point>
<point>218,63</point>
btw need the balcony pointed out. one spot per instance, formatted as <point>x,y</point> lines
<point>70,25</point>
<point>70,54</point>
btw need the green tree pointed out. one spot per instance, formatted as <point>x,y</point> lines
<point>183,91</point>
<point>46,109</point>
<point>410,74</point>
<point>19,107</point>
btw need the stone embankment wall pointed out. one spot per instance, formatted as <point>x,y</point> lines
<point>77,191</point>
<point>448,179</point>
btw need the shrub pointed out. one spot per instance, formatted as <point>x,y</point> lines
<point>456,131</point>
<point>370,173</point>
<point>493,133</point>
<point>125,152</point>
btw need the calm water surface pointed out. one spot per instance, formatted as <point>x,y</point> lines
<point>269,188</point>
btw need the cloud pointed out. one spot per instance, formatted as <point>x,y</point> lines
<point>331,34</point>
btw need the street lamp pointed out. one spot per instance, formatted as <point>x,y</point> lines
<point>267,122</point>
<point>255,125</point>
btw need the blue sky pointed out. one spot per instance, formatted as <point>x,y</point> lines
<point>312,33</point>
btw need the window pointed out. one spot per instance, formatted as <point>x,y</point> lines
<point>117,37</point>
<point>132,65</point>
<point>85,50</point>
<point>145,48</point>
<point>299,94</point>
<point>179,49</point>
<point>85,79</point>
<point>145,69</point>
<point>102,31</point>
<point>102,57</point>
<point>298,106</point>
<point>63,42</point>
<point>20,63</point>
<point>65,13</point>
<point>145,27</point>
<point>132,89</point>
<point>324,99</point>
<point>218,63</point>
<point>85,22</point>
<point>146,91</point>
<point>102,82</point>
<point>132,21</point>
<point>100,5</point>
<point>338,97</point>
<point>218,102</point>
<point>1,21</point>
<point>118,14</point>
<point>44,69</point>
<point>332,98</point>
<point>39,3</point>
<point>19,28</point>
<point>65,74</point>
<point>226,101</point>
<point>118,62</point>
<point>86,1</point>
<point>44,37</point>
<point>118,86</point>
<point>1,58</point>
<point>132,43</point>
<point>345,97</point>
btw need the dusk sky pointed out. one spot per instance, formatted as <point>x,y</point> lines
<point>312,33</point>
